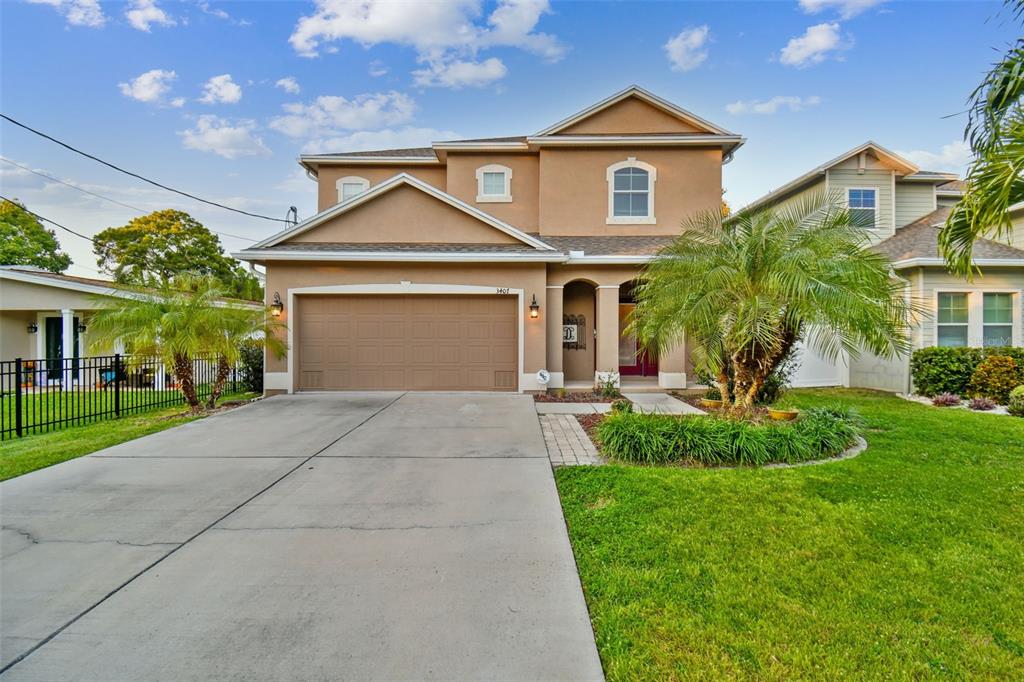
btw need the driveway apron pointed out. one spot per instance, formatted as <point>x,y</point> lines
<point>320,536</point>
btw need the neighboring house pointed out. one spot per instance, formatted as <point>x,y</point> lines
<point>39,310</point>
<point>907,207</point>
<point>473,264</point>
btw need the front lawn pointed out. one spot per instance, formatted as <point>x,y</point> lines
<point>22,455</point>
<point>904,562</point>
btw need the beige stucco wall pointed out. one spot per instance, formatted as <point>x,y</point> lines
<point>282,276</point>
<point>405,214</point>
<point>15,341</point>
<point>574,188</point>
<point>522,211</point>
<point>630,116</point>
<point>328,176</point>
<point>913,200</point>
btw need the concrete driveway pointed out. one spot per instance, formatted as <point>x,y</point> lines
<point>323,536</point>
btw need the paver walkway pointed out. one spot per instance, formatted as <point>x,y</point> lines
<point>323,536</point>
<point>568,444</point>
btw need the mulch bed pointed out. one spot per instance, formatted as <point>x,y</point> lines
<point>575,397</point>
<point>590,422</point>
<point>222,407</point>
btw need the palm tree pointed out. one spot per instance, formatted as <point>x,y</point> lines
<point>181,320</point>
<point>744,291</point>
<point>995,180</point>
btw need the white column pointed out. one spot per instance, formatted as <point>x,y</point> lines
<point>67,333</point>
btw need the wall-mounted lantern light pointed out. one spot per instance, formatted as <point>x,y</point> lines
<point>81,328</point>
<point>534,307</point>
<point>33,327</point>
<point>277,307</point>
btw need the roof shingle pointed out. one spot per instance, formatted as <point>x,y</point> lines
<point>920,239</point>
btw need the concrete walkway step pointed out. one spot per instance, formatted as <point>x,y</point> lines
<point>573,408</point>
<point>660,403</point>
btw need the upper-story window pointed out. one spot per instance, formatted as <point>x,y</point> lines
<point>494,184</point>
<point>863,204</point>
<point>631,193</point>
<point>350,186</point>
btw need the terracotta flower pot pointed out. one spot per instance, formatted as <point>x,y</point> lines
<point>711,402</point>
<point>782,415</point>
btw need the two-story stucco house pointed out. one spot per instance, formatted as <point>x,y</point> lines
<point>906,207</point>
<point>476,263</point>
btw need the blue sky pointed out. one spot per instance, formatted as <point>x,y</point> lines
<point>219,98</point>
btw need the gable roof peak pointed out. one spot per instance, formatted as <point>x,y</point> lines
<point>635,90</point>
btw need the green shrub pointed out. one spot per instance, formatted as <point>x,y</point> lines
<point>948,370</point>
<point>1015,405</point>
<point>713,393</point>
<point>661,439</point>
<point>252,366</point>
<point>622,405</point>
<point>994,378</point>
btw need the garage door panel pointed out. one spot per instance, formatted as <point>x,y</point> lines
<point>382,342</point>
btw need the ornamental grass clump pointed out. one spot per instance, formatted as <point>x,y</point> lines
<point>981,404</point>
<point>712,441</point>
<point>946,400</point>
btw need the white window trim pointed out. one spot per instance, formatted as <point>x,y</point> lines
<point>351,180</point>
<point>976,314</point>
<point>878,197</point>
<point>1014,306</point>
<point>966,325</point>
<point>652,174</point>
<point>483,198</point>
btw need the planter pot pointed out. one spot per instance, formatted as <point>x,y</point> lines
<point>710,402</point>
<point>782,415</point>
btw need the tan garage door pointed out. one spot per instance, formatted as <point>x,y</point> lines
<point>384,342</point>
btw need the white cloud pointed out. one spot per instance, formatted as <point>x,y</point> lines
<point>365,140</point>
<point>77,12</point>
<point>688,50</point>
<point>142,14</point>
<point>770,106</point>
<point>329,115</point>
<point>443,32</point>
<point>151,87</point>
<point>206,8</point>
<point>953,157</point>
<point>221,90</point>
<point>458,74</point>
<point>219,136</point>
<point>814,46</point>
<point>846,8</point>
<point>289,85</point>
<point>378,69</point>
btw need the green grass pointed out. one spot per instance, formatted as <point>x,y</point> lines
<point>905,562</point>
<point>22,455</point>
<point>38,408</point>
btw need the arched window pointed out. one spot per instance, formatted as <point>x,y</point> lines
<point>493,184</point>
<point>350,186</point>
<point>631,193</point>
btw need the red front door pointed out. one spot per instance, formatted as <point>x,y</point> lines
<point>632,360</point>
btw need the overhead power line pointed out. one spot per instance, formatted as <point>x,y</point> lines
<point>137,176</point>
<point>52,222</point>
<point>105,198</point>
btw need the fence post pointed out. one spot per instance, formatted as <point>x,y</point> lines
<point>117,384</point>
<point>234,378</point>
<point>17,397</point>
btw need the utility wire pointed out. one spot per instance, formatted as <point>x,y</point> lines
<point>137,176</point>
<point>114,201</point>
<point>52,222</point>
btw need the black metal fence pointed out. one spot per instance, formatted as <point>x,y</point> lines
<point>49,394</point>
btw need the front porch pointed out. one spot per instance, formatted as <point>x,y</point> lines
<point>587,338</point>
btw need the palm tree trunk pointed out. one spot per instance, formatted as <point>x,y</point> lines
<point>223,370</point>
<point>186,381</point>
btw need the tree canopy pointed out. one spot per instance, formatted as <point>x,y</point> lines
<point>24,240</point>
<point>153,249</point>
<point>745,290</point>
<point>995,180</point>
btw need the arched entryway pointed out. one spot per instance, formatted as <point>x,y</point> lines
<point>634,361</point>
<point>579,315</point>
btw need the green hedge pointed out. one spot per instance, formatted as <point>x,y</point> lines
<point>661,439</point>
<point>948,370</point>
